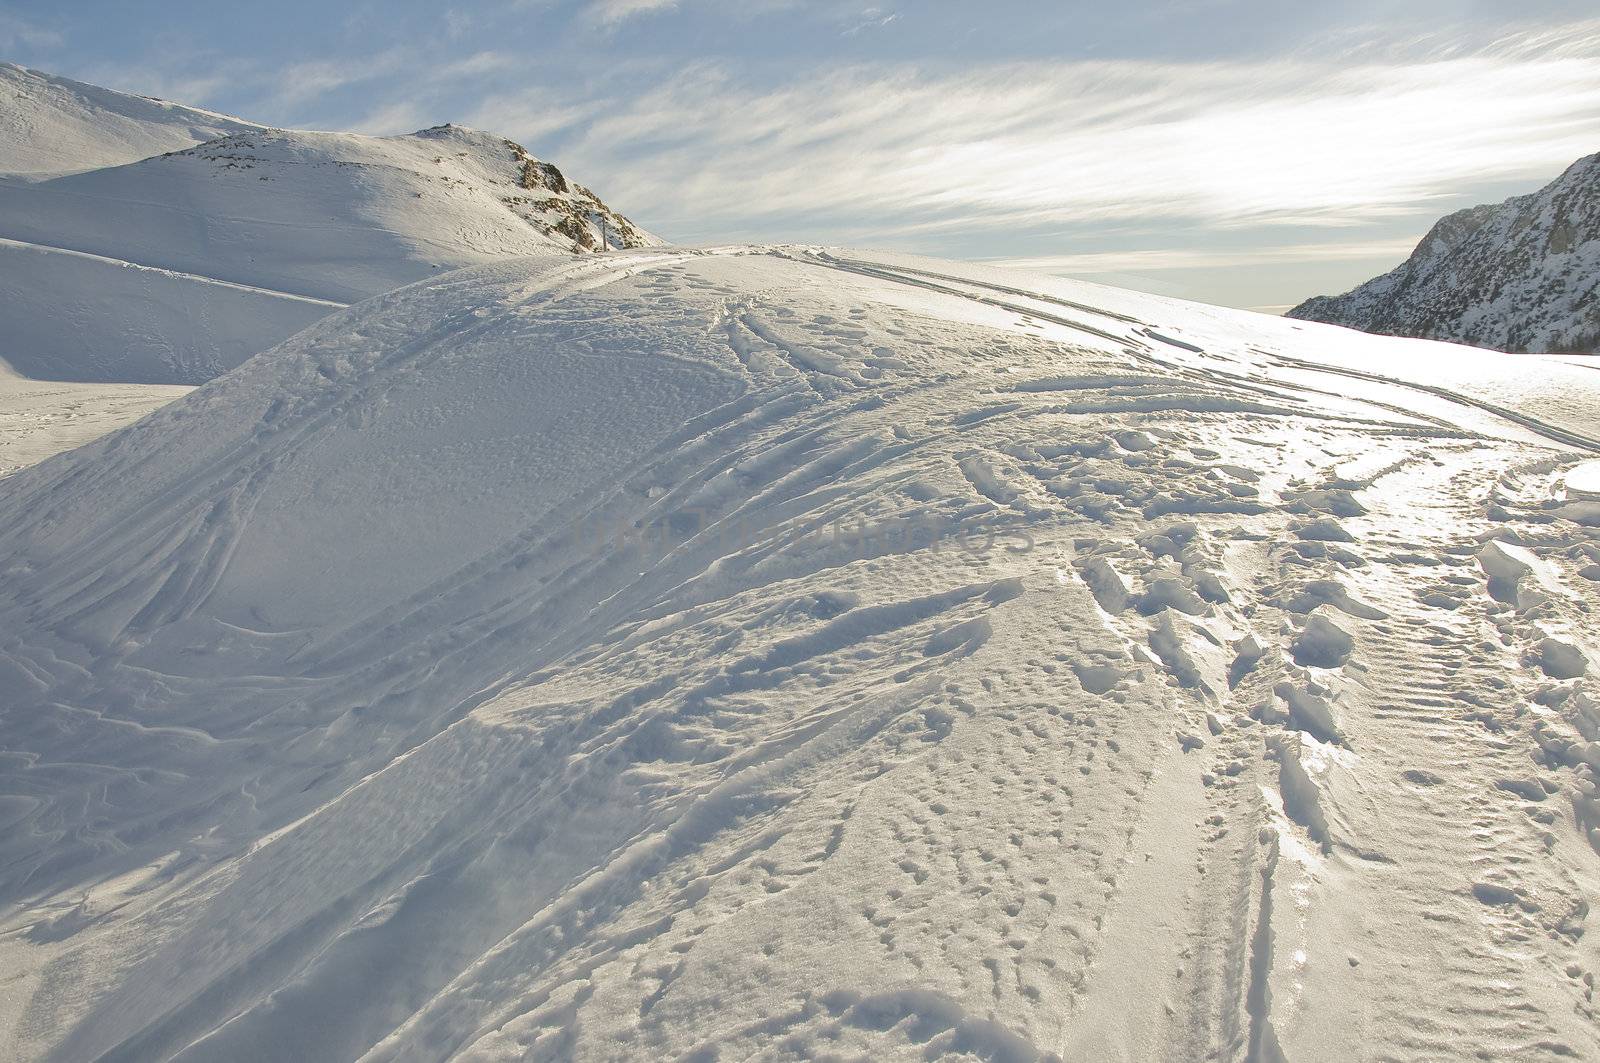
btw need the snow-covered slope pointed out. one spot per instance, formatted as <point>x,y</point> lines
<point>174,268</point>
<point>41,418</point>
<point>52,125</point>
<point>791,654</point>
<point>1523,275</point>
<point>71,316</point>
<point>332,216</point>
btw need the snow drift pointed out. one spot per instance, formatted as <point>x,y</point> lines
<point>783,653</point>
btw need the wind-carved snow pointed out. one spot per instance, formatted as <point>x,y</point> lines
<point>782,653</point>
<point>1515,276</point>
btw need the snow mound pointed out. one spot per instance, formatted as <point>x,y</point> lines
<point>677,654</point>
<point>53,125</point>
<point>1584,480</point>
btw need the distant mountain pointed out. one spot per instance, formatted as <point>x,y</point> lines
<point>53,125</point>
<point>177,267</point>
<point>1516,276</point>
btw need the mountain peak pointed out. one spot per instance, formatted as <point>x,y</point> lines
<point>1516,276</point>
<point>296,223</point>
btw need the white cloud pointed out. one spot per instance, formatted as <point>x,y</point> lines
<point>1300,142</point>
<point>302,83</point>
<point>404,116</point>
<point>475,65</point>
<point>611,12</point>
<point>197,87</point>
<point>16,31</point>
<point>871,18</point>
<point>530,117</point>
<point>1160,259</point>
<point>458,23</point>
<point>414,79</point>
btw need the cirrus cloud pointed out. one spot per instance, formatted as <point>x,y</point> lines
<point>1291,142</point>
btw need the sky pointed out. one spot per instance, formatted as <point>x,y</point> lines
<point>1245,152</point>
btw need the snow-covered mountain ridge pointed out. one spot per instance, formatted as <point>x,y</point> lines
<point>174,268</point>
<point>466,679</point>
<point>1523,275</point>
<point>54,125</point>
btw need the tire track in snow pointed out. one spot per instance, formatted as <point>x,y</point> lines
<point>1543,428</point>
<point>1446,853</point>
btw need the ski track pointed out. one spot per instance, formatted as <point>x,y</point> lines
<point>1220,731</point>
<point>24,245</point>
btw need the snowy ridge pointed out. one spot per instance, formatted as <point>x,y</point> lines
<point>1523,275</point>
<point>53,125</point>
<point>787,653</point>
<point>333,216</point>
<point>175,268</point>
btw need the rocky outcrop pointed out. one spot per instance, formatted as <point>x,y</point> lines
<point>1516,276</point>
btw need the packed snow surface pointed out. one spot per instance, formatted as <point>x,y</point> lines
<point>40,418</point>
<point>787,654</point>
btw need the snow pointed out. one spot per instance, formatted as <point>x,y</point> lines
<point>72,316</point>
<point>331,216</point>
<point>177,267</point>
<point>39,419</point>
<point>801,653</point>
<point>1584,480</point>
<point>53,125</point>
<point>1562,659</point>
<point>1323,643</point>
